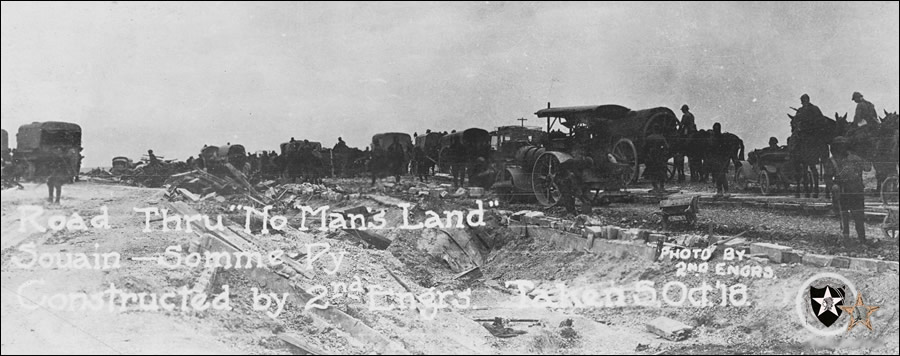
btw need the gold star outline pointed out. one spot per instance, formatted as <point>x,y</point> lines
<point>854,320</point>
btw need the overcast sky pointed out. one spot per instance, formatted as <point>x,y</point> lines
<point>175,76</point>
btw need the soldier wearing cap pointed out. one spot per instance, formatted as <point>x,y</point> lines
<point>688,125</point>
<point>850,191</point>
<point>865,111</point>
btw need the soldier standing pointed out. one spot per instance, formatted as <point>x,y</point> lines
<point>850,192</point>
<point>59,173</point>
<point>718,160</point>
<point>458,162</point>
<point>572,187</point>
<point>422,166</point>
<point>397,158</point>
<point>686,127</point>
<point>657,156</point>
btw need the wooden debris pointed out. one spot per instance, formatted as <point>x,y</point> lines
<point>473,273</point>
<point>375,240</point>
<point>305,348</point>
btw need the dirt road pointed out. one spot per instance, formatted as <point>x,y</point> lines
<point>558,330</point>
<point>48,331</point>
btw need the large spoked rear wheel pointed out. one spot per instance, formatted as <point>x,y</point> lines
<point>765,185</point>
<point>625,153</point>
<point>544,183</point>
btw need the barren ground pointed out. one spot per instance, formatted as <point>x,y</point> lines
<point>767,325</point>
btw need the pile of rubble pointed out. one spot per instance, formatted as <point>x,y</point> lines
<point>291,195</point>
<point>143,175</point>
<point>199,185</point>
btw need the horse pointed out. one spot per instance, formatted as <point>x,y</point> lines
<point>699,148</point>
<point>693,145</point>
<point>876,143</point>
<point>808,148</point>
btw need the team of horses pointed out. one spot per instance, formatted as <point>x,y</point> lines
<point>810,149</point>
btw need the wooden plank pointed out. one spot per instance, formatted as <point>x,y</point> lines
<point>473,273</point>
<point>304,347</point>
<point>241,179</point>
<point>467,247</point>
<point>228,237</point>
<point>187,194</point>
<point>377,241</point>
<point>185,174</point>
<point>406,287</point>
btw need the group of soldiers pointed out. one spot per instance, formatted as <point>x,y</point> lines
<point>716,154</point>
<point>845,165</point>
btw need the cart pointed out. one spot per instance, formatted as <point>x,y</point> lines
<point>686,207</point>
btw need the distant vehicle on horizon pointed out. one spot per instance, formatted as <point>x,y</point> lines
<point>39,143</point>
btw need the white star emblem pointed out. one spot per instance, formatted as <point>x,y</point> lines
<point>828,303</point>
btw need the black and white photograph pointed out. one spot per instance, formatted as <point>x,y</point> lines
<point>450,178</point>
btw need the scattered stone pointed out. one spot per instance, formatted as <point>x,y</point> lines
<point>593,232</point>
<point>840,262</point>
<point>817,260</point>
<point>669,329</point>
<point>612,232</point>
<point>865,265</point>
<point>776,253</point>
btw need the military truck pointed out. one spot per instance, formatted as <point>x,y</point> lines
<point>39,143</point>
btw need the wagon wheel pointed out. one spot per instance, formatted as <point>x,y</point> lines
<point>671,169</point>
<point>740,181</point>
<point>506,194</point>
<point>889,226</point>
<point>625,153</point>
<point>889,191</point>
<point>765,186</point>
<point>546,188</point>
